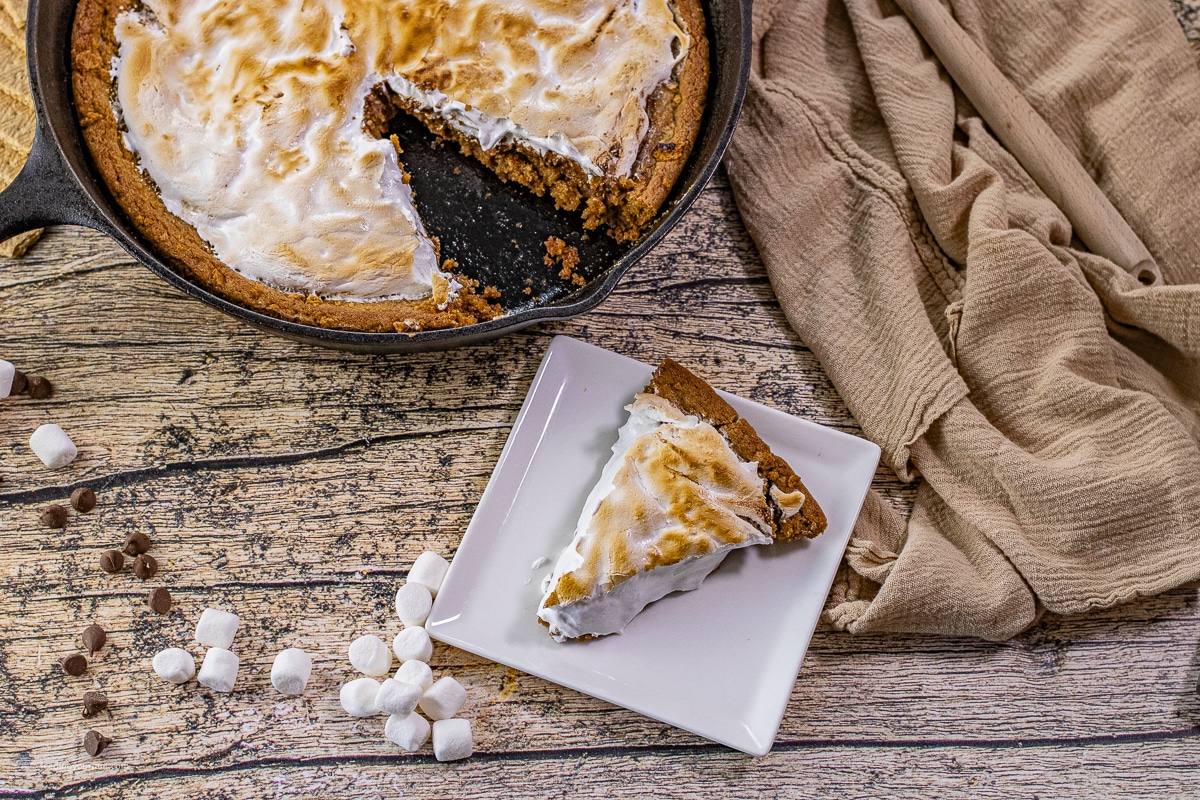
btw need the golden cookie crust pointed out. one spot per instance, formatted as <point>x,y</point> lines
<point>676,384</point>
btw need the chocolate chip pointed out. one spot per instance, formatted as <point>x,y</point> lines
<point>94,703</point>
<point>136,543</point>
<point>144,566</point>
<point>94,743</point>
<point>83,499</point>
<point>159,600</point>
<point>112,561</point>
<point>20,383</point>
<point>94,637</point>
<point>74,664</point>
<point>39,388</point>
<point>55,516</point>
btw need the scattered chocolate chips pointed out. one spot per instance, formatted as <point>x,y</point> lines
<point>20,383</point>
<point>136,544</point>
<point>83,499</point>
<point>55,516</point>
<point>39,388</point>
<point>94,703</point>
<point>94,637</point>
<point>144,566</point>
<point>112,561</point>
<point>74,664</point>
<point>94,743</point>
<point>159,600</point>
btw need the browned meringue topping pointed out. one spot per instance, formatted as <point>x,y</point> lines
<point>680,492</point>
<point>248,116</point>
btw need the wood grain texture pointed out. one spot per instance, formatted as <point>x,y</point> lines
<point>296,485</point>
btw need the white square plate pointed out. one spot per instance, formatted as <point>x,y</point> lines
<point>719,661</point>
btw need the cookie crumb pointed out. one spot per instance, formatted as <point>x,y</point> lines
<point>558,251</point>
<point>441,291</point>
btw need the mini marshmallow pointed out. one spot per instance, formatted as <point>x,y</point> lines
<point>370,656</point>
<point>51,444</point>
<point>291,670</point>
<point>219,670</point>
<point>216,628</point>
<point>397,698</point>
<point>412,644</point>
<point>409,732</point>
<point>452,739</point>
<point>358,697</point>
<point>175,665</point>
<point>7,373</point>
<point>443,699</point>
<point>415,672</point>
<point>429,569</point>
<point>413,602</point>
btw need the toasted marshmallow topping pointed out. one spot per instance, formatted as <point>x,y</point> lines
<point>789,503</point>
<point>249,116</point>
<point>671,503</point>
<point>565,76</point>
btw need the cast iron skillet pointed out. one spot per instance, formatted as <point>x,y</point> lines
<point>494,230</point>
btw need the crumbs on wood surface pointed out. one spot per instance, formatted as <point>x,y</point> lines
<point>559,251</point>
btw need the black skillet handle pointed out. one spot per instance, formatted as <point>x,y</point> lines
<point>45,193</point>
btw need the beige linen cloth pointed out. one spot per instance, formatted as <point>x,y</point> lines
<point>16,109</point>
<point>1048,404</point>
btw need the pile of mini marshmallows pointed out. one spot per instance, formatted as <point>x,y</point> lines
<point>412,686</point>
<point>215,630</point>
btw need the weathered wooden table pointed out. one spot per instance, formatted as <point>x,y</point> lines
<point>296,485</point>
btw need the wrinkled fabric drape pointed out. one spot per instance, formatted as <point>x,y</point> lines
<point>1047,402</point>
